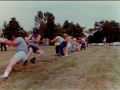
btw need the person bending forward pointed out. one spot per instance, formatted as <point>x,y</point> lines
<point>20,55</point>
<point>33,40</point>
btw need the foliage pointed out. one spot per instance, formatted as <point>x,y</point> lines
<point>47,28</point>
<point>73,29</point>
<point>13,27</point>
<point>45,23</point>
<point>108,29</point>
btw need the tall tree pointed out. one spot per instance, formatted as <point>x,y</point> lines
<point>13,27</point>
<point>39,19</point>
<point>45,23</point>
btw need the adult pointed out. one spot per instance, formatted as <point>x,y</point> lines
<point>47,41</point>
<point>57,48</point>
<point>20,55</point>
<point>68,41</point>
<point>78,45</point>
<point>104,41</point>
<point>62,44</point>
<point>33,40</point>
<point>83,43</point>
<point>72,45</point>
<point>3,45</point>
<point>44,41</point>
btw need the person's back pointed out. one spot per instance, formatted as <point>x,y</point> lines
<point>22,45</point>
<point>19,56</point>
<point>60,39</point>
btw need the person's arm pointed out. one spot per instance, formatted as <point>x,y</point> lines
<point>9,42</point>
<point>37,40</point>
<point>54,39</point>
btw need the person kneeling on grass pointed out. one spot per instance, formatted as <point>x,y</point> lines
<point>20,55</point>
<point>33,40</point>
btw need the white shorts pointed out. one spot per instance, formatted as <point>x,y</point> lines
<point>20,56</point>
<point>69,44</point>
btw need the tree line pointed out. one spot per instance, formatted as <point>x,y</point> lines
<point>45,23</point>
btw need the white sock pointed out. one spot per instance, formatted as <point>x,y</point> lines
<point>6,74</point>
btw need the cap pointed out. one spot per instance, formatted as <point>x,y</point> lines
<point>35,31</point>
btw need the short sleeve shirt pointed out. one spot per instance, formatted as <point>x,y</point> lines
<point>21,46</point>
<point>60,39</point>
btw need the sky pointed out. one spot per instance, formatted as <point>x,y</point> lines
<point>85,13</point>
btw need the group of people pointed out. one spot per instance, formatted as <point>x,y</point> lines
<point>25,48</point>
<point>67,44</point>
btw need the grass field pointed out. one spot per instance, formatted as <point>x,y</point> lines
<point>96,68</point>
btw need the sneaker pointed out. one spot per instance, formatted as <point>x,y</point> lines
<point>3,78</point>
<point>33,60</point>
<point>62,56</point>
<point>25,63</point>
<point>66,55</point>
<point>57,54</point>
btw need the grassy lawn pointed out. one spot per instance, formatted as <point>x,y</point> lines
<point>96,68</point>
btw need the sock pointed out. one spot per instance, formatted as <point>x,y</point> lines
<point>6,74</point>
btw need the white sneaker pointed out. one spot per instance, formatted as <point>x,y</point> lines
<point>66,55</point>
<point>62,56</point>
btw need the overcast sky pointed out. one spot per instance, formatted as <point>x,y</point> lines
<point>86,13</point>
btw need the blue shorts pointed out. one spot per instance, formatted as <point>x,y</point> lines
<point>33,48</point>
<point>21,56</point>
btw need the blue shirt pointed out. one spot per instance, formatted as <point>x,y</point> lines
<point>60,39</point>
<point>21,46</point>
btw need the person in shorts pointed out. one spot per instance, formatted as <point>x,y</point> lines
<point>33,40</point>
<point>20,55</point>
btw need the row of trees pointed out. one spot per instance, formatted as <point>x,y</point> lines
<point>45,22</point>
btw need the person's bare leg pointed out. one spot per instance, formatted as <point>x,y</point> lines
<point>30,51</point>
<point>66,53</point>
<point>39,54</point>
<point>12,62</point>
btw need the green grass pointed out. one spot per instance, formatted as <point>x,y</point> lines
<point>96,68</point>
